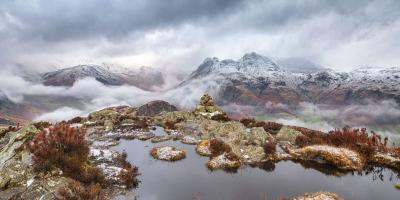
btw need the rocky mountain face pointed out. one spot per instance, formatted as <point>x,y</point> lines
<point>256,80</point>
<point>145,77</point>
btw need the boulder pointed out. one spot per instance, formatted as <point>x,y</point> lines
<point>12,141</point>
<point>342,158</point>
<point>154,108</point>
<point>168,153</point>
<point>225,161</point>
<point>287,134</point>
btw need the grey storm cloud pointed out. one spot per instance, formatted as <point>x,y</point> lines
<point>76,19</point>
<point>179,34</point>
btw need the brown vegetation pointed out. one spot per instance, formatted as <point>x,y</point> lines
<point>356,139</point>
<point>76,191</point>
<point>221,118</point>
<point>271,127</point>
<point>269,148</point>
<point>42,125</point>
<point>129,172</point>
<point>9,129</point>
<point>65,148</point>
<point>218,147</point>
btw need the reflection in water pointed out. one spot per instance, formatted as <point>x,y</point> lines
<point>191,179</point>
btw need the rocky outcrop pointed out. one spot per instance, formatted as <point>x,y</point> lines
<point>342,158</point>
<point>154,108</point>
<point>225,161</point>
<point>318,196</point>
<point>168,153</point>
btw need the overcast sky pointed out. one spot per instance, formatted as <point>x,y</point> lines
<point>179,34</point>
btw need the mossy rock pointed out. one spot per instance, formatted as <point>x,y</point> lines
<point>287,134</point>
<point>105,114</point>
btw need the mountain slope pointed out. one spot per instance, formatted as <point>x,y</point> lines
<point>145,78</point>
<point>256,80</point>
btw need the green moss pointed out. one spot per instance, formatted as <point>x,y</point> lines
<point>104,114</point>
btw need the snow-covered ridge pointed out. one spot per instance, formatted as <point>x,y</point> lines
<point>143,77</point>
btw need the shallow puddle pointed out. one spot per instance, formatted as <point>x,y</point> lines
<point>191,179</point>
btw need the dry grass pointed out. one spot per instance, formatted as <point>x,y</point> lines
<point>129,173</point>
<point>64,147</point>
<point>356,139</point>
<point>76,191</point>
<point>271,127</point>
<point>218,147</point>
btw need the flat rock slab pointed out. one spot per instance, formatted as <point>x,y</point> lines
<point>318,196</point>
<point>160,138</point>
<point>168,153</point>
<point>342,158</point>
<point>189,140</point>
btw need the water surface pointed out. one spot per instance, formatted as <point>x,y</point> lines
<point>190,179</point>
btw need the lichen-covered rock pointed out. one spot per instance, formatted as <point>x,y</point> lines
<point>160,138</point>
<point>287,134</point>
<point>258,136</point>
<point>12,141</point>
<point>174,116</point>
<point>387,160</point>
<point>318,196</point>
<point>154,108</point>
<point>203,148</point>
<point>168,153</point>
<point>105,114</point>
<point>189,140</point>
<point>225,161</point>
<point>144,135</point>
<point>342,158</point>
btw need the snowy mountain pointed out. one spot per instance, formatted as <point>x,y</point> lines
<point>145,77</point>
<point>256,80</point>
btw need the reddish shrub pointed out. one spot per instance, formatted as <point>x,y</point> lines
<point>218,147</point>
<point>248,122</point>
<point>221,118</point>
<point>170,125</point>
<point>271,127</point>
<point>64,147</point>
<point>76,191</point>
<point>269,148</point>
<point>141,123</point>
<point>356,139</point>
<point>129,172</point>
